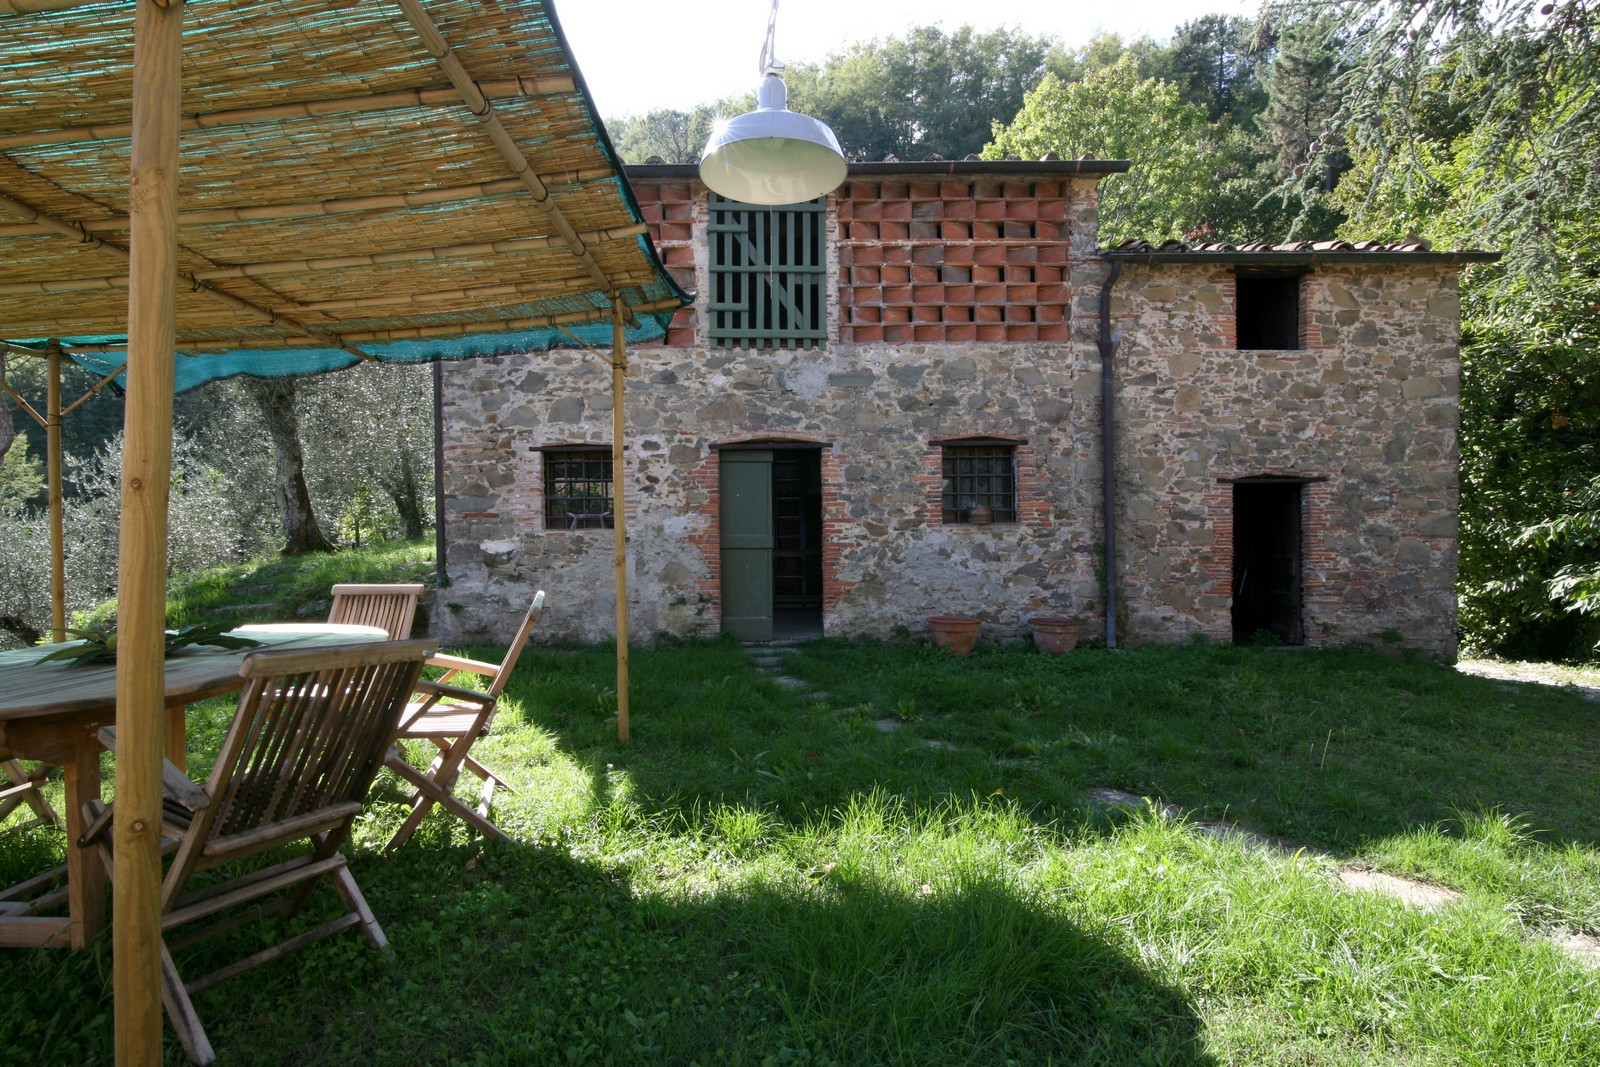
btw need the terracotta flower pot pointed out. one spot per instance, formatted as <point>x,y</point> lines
<point>958,633</point>
<point>1054,634</point>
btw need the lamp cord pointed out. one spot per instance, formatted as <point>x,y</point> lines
<point>770,63</point>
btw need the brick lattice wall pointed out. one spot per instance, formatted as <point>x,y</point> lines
<point>952,261</point>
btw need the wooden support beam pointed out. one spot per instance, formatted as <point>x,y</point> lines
<point>194,282</point>
<point>197,345</point>
<point>199,278</point>
<point>619,512</point>
<point>142,548</point>
<point>57,503</point>
<point>483,110</point>
<point>422,198</point>
<point>39,7</point>
<point>503,89</point>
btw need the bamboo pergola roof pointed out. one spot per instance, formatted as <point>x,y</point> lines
<point>398,179</point>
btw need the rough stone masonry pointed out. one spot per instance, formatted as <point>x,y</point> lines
<point>964,303</point>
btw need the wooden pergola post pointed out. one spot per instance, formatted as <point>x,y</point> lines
<point>58,544</point>
<point>619,535</point>
<point>142,549</point>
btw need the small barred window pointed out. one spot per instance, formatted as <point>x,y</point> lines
<point>980,483</point>
<point>577,489</point>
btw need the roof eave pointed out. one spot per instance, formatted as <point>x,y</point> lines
<point>1305,259</point>
<point>993,168</point>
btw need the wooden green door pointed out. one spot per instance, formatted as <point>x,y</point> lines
<point>746,519</point>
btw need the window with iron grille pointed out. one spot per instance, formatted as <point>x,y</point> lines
<point>768,275</point>
<point>979,475</point>
<point>577,488</point>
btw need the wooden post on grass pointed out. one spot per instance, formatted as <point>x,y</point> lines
<point>142,548</point>
<point>58,541</point>
<point>619,536</point>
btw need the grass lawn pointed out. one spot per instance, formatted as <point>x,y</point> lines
<point>898,863</point>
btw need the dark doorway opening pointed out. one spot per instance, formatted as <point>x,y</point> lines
<point>796,543</point>
<point>1267,561</point>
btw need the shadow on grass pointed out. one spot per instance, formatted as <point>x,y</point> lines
<point>523,954</point>
<point>1332,749</point>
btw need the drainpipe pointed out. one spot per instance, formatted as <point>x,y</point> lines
<point>1107,344</point>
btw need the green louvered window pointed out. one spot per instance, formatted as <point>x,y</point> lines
<point>768,274</point>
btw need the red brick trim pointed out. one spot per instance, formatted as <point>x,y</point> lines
<point>840,533</point>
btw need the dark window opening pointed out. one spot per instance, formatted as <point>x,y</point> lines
<point>577,489</point>
<point>980,483</point>
<point>1267,605</point>
<point>768,275</point>
<point>1267,311</point>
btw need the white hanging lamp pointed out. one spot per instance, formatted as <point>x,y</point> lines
<point>772,155</point>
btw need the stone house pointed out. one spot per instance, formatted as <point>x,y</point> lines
<point>890,404</point>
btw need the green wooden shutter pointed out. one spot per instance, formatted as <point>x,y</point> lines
<point>768,275</point>
<point>746,520</point>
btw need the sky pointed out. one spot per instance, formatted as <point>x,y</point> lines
<point>640,55</point>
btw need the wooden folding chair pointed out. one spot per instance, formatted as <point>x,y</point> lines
<point>453,718</point>
<point>20,786</point>
<point>306,742</point>
<point>390,607</point>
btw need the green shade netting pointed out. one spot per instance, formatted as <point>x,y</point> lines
<point>195,370</point>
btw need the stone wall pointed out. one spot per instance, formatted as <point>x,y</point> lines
<point>1367,412</point>
<point>964,309</point>
<point>875,409</point>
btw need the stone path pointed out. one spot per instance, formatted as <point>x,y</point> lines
<point>1414,892</point>
<point>1537,673</point>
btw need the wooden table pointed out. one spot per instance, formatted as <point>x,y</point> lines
<point>51,712</point>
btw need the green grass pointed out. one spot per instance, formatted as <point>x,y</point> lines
<point>289,588</point>
<point>771,876</point>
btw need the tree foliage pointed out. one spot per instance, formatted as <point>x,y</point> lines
<point>21,477</point>
<point>1213,60</point>
<point>1114,113</point>
<point>927,93</point>
<point>669,136</point>
<point>1476,125</point>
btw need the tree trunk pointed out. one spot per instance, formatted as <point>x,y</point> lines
<point>275,398</point>
<point>403,490</point>
<point>8,430</point>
